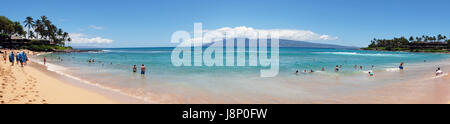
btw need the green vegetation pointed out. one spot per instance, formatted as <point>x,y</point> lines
<point>9,27</point>
<point>45,47</point>
<point>44,29</point>
<point>438,43</point>
<point>42,34</point>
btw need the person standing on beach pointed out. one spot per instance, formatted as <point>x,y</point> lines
<point>134,69</point>
<point>361,67</point>
<point>337,68</point>
<point>11,58</point>
<point>143,69</point>
<point>21,58</point>
<point>45,60</point>
<point>25,57</point>
<point>17,58</point>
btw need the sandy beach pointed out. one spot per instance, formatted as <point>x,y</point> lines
<point>30,85</point>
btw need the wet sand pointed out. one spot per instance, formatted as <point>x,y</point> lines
<point>31,85</point>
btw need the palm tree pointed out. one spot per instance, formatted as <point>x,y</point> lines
<point>18,29</point>
<point>31,34</point>
<point>38,28</point>
<point>411,39</point>
<point>29,24</point>
<point>440,37</point>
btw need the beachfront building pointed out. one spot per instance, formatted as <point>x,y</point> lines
<point>16,41</point>
<point>428,45</point>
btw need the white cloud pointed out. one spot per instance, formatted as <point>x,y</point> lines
<point>96,27</point>
<point>79,38</point>
<point>251,33</point>
<point>248,32</point>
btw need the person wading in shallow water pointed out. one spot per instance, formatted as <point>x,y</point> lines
<point>143,69</point>
<point>134,69</point>
<point>401,66</point>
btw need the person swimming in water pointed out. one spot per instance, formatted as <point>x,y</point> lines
<point>323,68</point>
<point>296,72</point>
<point>143,69</point>
<point>312,71</point>
<point>371,74</point>
<point>439,72</point>
<point>401,66</point>
<point>134,69</point>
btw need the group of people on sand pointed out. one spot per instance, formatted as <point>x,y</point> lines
<point>18,57</point>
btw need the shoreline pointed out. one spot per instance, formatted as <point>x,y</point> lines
<point>32,85</point>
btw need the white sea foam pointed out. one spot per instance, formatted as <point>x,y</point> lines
<point>360,54</point>
<point>392,69</point>
<point>440,76</point>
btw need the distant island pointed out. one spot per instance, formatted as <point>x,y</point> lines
<point>40,35</point>
<point>439,43</point>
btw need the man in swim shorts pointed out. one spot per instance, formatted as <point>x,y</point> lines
<point>143,69</point>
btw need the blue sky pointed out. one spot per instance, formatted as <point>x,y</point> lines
<point>146,23</point>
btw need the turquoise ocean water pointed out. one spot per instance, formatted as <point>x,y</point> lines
<point>165,83</point>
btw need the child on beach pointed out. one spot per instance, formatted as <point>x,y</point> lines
<point>4,56</point>
<point>401,66</point>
